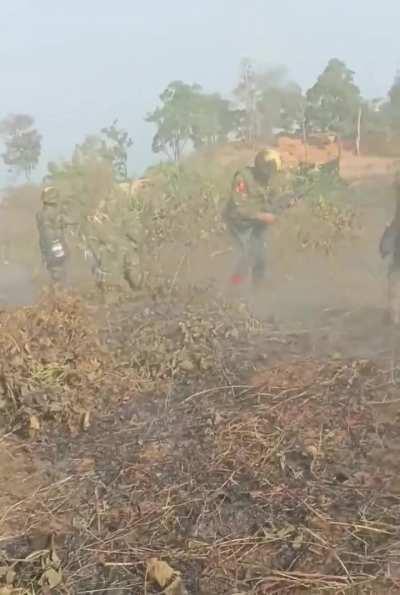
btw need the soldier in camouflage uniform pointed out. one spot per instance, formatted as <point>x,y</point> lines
<point>257,195</point>
<point>101,248</point>
<point>112,241</point>
<point>51,227</point>
<point>389,248</point>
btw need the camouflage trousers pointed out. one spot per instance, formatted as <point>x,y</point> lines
<point>58,274</point>
<point>249,247</point>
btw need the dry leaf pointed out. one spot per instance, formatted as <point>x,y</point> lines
<point>51,578</point>
<point>85,465</point>
<point>166,577</point>
<point>34,423</point>
<point>160,572</point>
<point>312,451</point>
<point>86,421</point>
<point>187,365</point>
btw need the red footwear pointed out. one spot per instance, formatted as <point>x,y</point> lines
<point>237,280</point>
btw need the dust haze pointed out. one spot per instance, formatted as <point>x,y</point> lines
<point>167,424</point>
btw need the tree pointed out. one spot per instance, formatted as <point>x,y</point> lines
<point>280,102</point>
<point>92,148</point>
<point>213,120</point>
<point>188,115</point>
<point>333,102</point>
<point>246,94</point>
<point>117,142</point>
<point>393,107</point>
<point>174,119</point>
<point>22,142</point>
<point>269,100</point>
<point>111,145</point>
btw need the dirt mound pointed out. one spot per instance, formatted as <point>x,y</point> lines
<point>293,151</point>
<point>53,367</point>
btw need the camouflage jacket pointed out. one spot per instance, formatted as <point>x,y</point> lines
<point>51,228</point>
<point>248,197</point>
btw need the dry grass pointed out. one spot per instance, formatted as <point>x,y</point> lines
<point>277,481</point>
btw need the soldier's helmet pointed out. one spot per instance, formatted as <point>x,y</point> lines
<point>50,195</point>
<point>267,162</point>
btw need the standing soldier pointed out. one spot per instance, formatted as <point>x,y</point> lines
<point>101,247</point>
<point>256,195</point>
<point>51,228</point>
<point>389,247</point>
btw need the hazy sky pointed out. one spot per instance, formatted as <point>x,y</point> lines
<point>77,64</point>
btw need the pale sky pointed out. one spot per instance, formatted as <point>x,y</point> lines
<point>75,65</point>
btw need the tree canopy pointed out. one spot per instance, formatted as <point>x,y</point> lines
<point>333,102</point>
<point>188,115</point>
<point>22,142</point>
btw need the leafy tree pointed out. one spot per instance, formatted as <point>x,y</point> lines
<point>22,143</point>
<point>117,142</point>
<point>268,100</point>
<point>333,102</point>
<point>92,148</point>
<point>213,120</point>
<point>246,94</point>
<point>393,107</point>
<point>111,145</point>
<point>280,102</point>
<point>174,119</point>
<point>375,116</point>
<point>188,115</point>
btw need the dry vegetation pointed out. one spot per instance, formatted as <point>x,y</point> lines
<point>179,445</point>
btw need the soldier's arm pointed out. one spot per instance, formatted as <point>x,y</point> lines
<point>243,205</point>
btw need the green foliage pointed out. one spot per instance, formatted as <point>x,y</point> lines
<point>189,115</point>
<point>110,146</point>
<point>334,100</point>
<point>174,119</point>
<point>375,116</point>
<point>269,100</point>
<point>280,102</point>
<point>117,142</point>
<point>213,120</point>
<point>22,143</point>
<point>314,183</point>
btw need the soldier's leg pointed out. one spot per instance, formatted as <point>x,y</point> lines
<point>58,274</point>
<point>394,320</point>
<point>241,243</point>
<point>258,260</point>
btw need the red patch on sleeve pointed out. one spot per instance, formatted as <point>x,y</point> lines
<point>241,187</point>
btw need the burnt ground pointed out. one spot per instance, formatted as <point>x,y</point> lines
<point>253,453</point>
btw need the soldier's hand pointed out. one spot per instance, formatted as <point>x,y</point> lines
<point>267,218</point>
